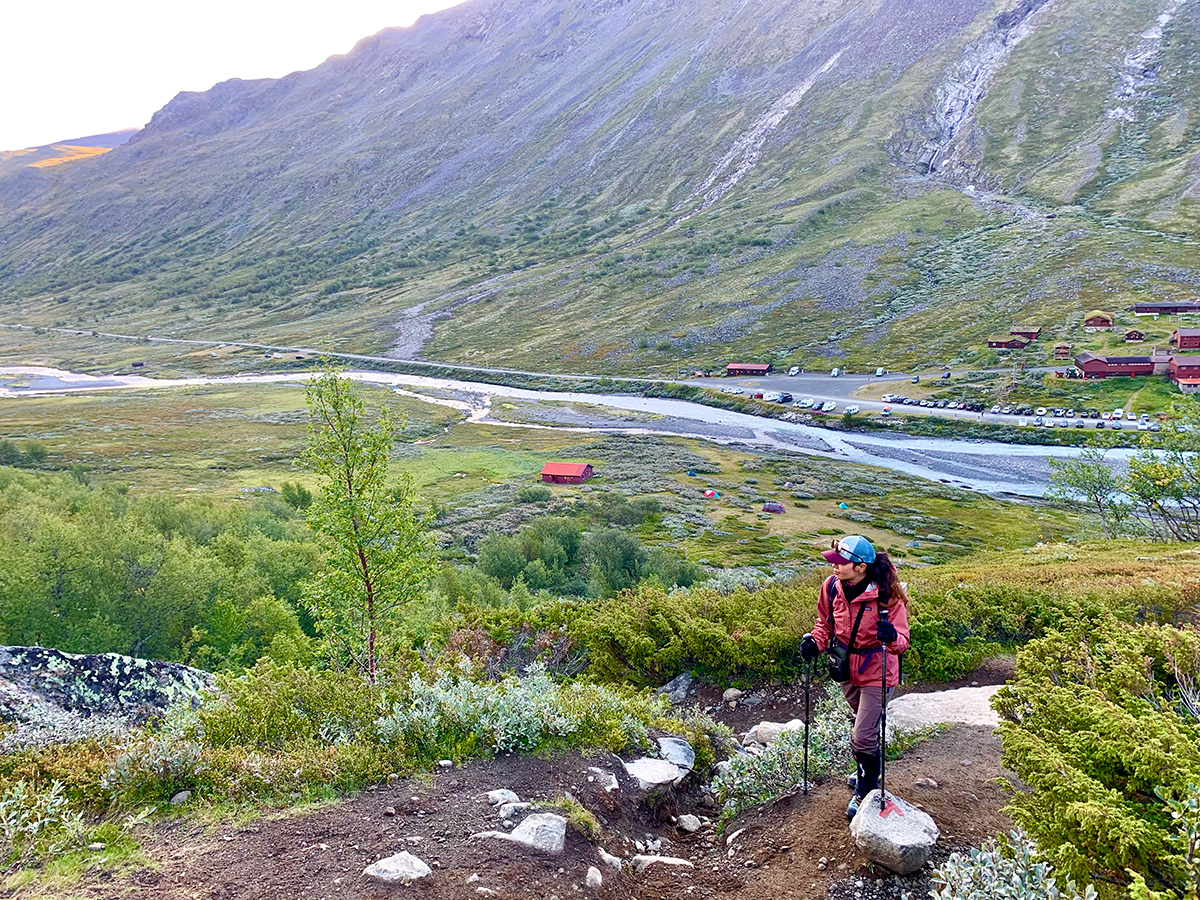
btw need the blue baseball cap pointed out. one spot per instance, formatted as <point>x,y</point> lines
<point>854,548</point>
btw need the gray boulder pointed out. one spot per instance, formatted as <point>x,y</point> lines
<point>543,832</point>
<point>55,696</point>
<point>641,862</point>
<point>678,751</point>
<point>899,836</point>
<point>402,868</point>
<point>677,689</point>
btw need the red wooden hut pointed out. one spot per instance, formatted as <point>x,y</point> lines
<point>748,369</point>
<point>566,473</point>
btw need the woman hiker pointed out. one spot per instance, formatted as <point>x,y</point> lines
<point>861,610</point>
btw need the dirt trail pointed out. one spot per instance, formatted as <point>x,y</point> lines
<point>778,854</point>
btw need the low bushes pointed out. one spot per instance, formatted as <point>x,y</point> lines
<point>1008,869</point>
<point>1102,722</point>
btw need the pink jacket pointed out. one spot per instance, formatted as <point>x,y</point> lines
<point>866,657</point>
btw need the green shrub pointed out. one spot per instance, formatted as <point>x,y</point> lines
<point>1100,721</point>
<point>751,780</point>
<point>1009,869</point>
<point>37,823</point>
<point>272,706</point>
<point>534,493</point>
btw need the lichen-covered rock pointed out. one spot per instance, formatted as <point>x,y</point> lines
<point>55,696</point>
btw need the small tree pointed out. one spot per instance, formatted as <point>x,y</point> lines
<point>1164,481</point>
<point>377,553</point>
<point>1087,477</point>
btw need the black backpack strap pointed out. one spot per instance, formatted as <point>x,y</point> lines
<point>862,608</point>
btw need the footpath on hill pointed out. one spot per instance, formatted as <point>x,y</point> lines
<point>799,847</point>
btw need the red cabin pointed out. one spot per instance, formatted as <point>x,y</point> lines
<point>1012,342</point>
<point>748,369</point>
<point>1092,366</point>
<point>1184,373</point>
<point>1029,332</point>
<point>1186,339</point>
<point>566,473</point>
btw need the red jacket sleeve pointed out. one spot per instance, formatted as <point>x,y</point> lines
<point>898,616</point>
<point>823,627</point>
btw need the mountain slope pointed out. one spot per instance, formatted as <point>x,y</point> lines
<point>605,185</point>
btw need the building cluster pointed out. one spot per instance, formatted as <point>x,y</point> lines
<point>1181,367</point>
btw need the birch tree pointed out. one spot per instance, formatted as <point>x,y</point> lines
<point>378,556</point>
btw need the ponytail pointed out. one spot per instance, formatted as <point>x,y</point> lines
<point>883,572</point>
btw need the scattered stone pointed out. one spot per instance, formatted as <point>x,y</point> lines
<point>678,751</point>
<point>389,811</point>
<point>500,797</point>
<point>642,862</point>
<point>543,832</point>
<point>474,878</point>
<point>899,837</point>
<point>508,810</point>
<point>925,783</point>
<point>731,695</point>
<point>392,779</point>
<point>613,862</point>
<point>606,778</point>
<point>402,868</point>
<point>96,847</point>
<point>653,774</point>
<point>689,823</point>
<point>676,690</point>
<point>181,798</point>
<point>733,837</point>
<point>445,764</point>
<point>594,879</point>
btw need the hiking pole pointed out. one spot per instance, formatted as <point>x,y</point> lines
<point>807,717</point>
<point>883,719</point>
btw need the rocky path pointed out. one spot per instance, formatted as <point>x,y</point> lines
<point>797,848</point>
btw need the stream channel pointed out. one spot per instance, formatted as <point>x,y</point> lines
<point>994,468</point>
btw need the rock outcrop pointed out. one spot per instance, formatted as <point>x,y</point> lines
<point>52,696</point>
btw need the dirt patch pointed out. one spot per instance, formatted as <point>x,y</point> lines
<point>777,851</point>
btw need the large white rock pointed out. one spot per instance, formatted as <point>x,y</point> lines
<point>399,869</point>
<point>678,751</point>
<point>652,774</point>
<point>963,706</point>
<point>899,836</point>
<point>543,832</point>
<point>594,879</point>
<point>766,733</point>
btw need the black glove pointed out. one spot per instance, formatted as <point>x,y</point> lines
<point>885,631</point>
<point>808,648</point>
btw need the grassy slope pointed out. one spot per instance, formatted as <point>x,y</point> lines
<point>826,252</point>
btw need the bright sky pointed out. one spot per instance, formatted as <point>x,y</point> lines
<point>73,68</point>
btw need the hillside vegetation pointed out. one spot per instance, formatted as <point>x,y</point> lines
<point>621,187</point>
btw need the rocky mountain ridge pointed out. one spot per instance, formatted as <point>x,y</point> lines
<point>706,170</point>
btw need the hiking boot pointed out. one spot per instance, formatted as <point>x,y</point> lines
<point>852,808</point>
<point>852,782</point>
<point>868,773</point>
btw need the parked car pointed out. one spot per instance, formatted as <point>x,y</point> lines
<point>835,373</point>
<point>886,411</point>
<point>1041,411</point>
<point>1106,416</point>
<point>851,409</point>
<point>879,372</point>
<point>794,370</point>
<point>772,507</point>
<point>945,376</point>
<point>1143,426</point>
<point>732,390</point>
<point>1116,426</point>
<point>770,396</point>
<point>1037,422</point>
<point>805,403</point>
<point>1154,426</point>
<point>916,378</point>
<point>1118,414</point>
<point>1007,410</point>
<point>828,406</point>
<point>1079,423</point>
<point>785,397</point>
<point>996,408</point>
<point>1100,424</point>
